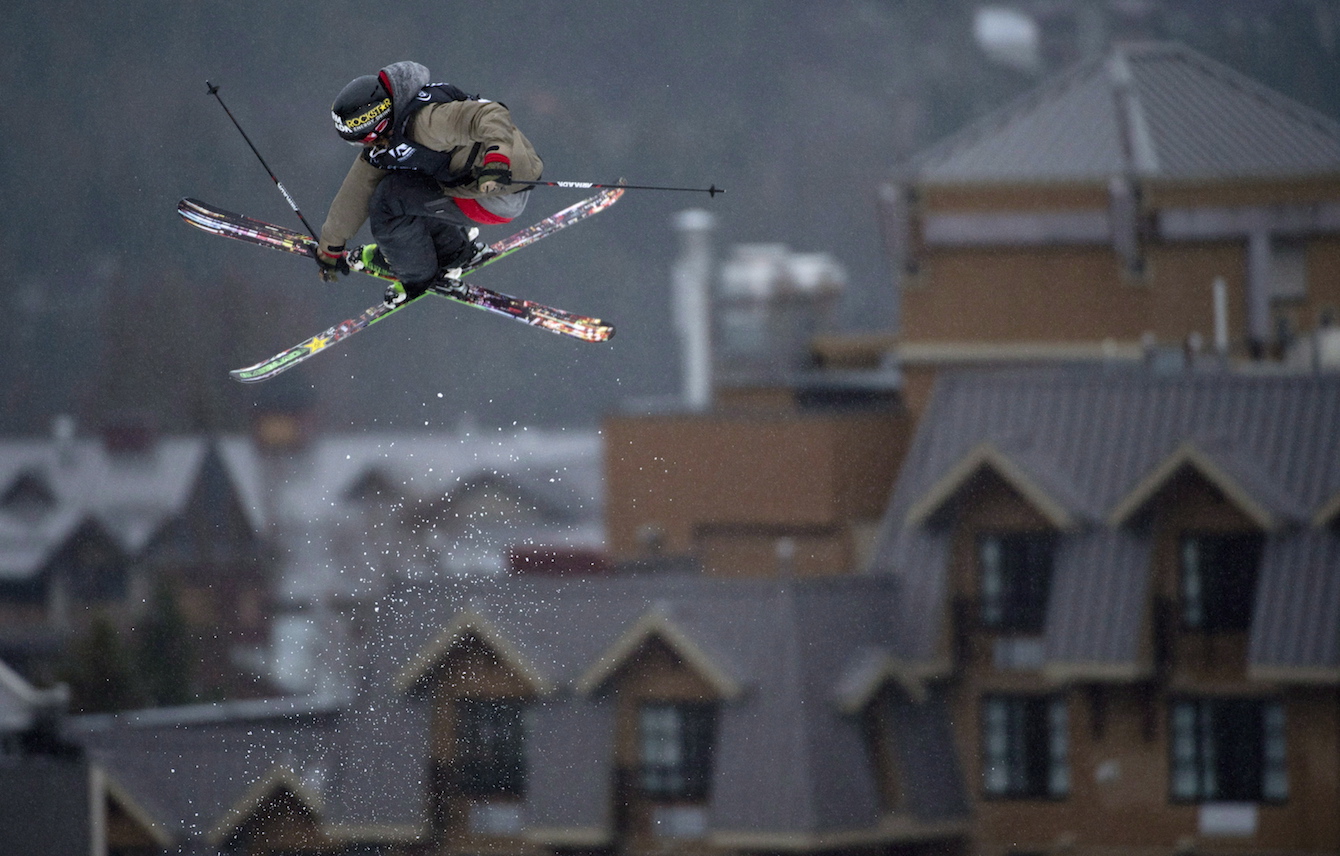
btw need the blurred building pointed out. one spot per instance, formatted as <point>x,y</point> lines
<point>768,465</point>
<point>353,514</point>
<point>1149,197</point>
<point>1100,575</point>
<point>530,715</point>
<point>1127,584</point>
<point>53,798</point>
<point>90,525</point>
<point>262,548</point>
<point>1042,575</point>
<point>1100,617</point>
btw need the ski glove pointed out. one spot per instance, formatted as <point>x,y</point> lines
<point>495,173</point>
<point>331,264</point>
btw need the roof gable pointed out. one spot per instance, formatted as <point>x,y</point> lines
<point>1190,456</point>
<point>1329,513</point>
<point>27,546</point>
<point>373,485</point>
<point>465,626</point>
<point>21,704</point>
<point>215,492</point>
<point>280,783</point>
<point>1111,436</point>
<point>870,671</point>
<point>120,801</point>
<point>1266,442</point>
<point>655,626</point>
<point>988,456</point>
<point>482,500</point>
<point>1153,110</point>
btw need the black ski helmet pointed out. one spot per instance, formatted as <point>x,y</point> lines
<point>362,110</point>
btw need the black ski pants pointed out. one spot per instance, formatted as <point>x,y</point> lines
<point>416,232</point>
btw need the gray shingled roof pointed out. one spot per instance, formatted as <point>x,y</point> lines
<point>188,766</point>
<point>1102,432</point>
<point>790,760</point>
<point>1157,110</point>
<point>1104,585</point>
<point>1299,600</point>
<point>786,752</point>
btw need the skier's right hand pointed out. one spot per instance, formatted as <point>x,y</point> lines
<point>331,263</point>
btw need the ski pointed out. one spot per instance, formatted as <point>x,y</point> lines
<point>526,311</point>
<point>241,227</point>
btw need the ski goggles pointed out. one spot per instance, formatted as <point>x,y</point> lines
<point>374,135</point>
<point>366,128</point>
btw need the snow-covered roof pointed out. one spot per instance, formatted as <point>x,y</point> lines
<point>427,466</point>
<point>349,503</point>
<point>130,496</point>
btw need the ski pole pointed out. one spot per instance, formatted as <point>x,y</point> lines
<point>587,185</point>
<point>214,90</point>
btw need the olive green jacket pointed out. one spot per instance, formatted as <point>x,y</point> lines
<point>442,127</point>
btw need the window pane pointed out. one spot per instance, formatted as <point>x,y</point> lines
<point>1015,579</point>
<point>1193,607</point>
<point>1227,750</point>
<point>1218,579</point>
<point>1058,780</point>
<point>1209,783</point>
<point>992,588</point>
<point>1275,782</point>
<point>1025,746</point>
<point>995,742</point>
<point>675,748</point>
<point>490,739</point>
<point>1237,744</point>
<point>1185,778</point>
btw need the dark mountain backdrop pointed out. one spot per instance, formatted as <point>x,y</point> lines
<point>114,307</point>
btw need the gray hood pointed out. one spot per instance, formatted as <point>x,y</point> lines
<point>406,79</point>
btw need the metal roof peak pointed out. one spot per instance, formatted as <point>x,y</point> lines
<point>1149,109</point>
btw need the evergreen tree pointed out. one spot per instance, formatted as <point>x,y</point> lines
<point>100,671</point>
<point>165,649</point>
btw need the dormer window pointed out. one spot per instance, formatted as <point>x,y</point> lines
<point>675,744</point>
<point>1014,579</point>
<point>490,747</point>
<point>1218,580</point>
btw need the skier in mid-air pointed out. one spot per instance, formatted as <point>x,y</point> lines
<point>435,162</point>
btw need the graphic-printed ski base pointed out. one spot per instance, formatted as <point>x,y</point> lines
<point>535,314</point>
<point>241,227</point>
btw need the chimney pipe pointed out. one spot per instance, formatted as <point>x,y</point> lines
<point>1220,317</point>
<point>693,305</point>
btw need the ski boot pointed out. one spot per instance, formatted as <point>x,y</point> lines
<point>369,259</point>
<point>397,294</point>
<point>474,254</point>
